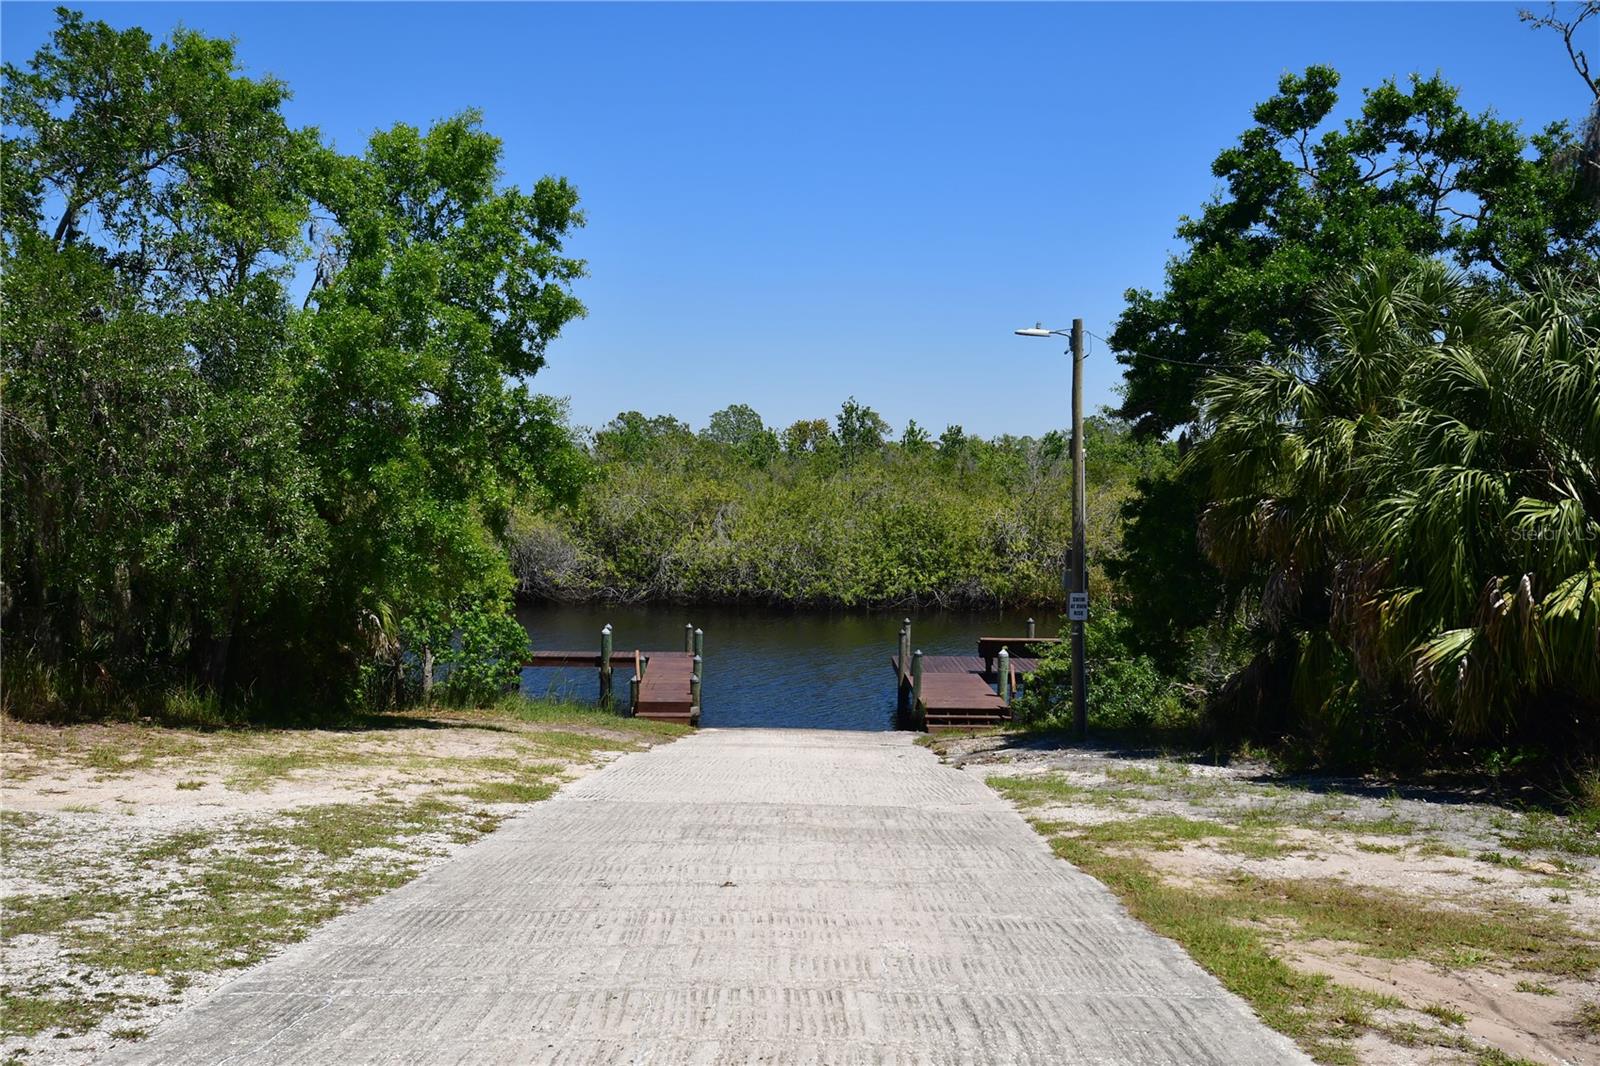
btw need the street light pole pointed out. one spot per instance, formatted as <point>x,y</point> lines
<point>1080,518</point>
<point>1078,575</point>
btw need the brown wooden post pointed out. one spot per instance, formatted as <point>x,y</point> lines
<point>605,665</point>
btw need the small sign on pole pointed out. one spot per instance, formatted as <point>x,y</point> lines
<point>1077,606</point>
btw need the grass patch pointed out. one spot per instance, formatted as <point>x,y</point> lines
<point>1535,988</point>
<point>1155,774</point>
<point>511,791</point>
<point>139,748</point>
<point>1542,831</point>
<point>254,771</point>
<point>47,914</point>
<point>42,1009</point>
<point>1587,1018</point>
<point>181,845</point>
<point>1388,825</point>
<point>1433,849</point>
<point>1378,849</point>
<point>1495,858</point>
<point>554,712</point>
<point>1447,1015</point>
<point>1044,789</point>
<point>1168,832</point>
<point>1388,925</point>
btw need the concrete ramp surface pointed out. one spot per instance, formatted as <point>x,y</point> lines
<point>738,896</point>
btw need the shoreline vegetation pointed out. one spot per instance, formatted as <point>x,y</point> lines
<point>840,514</point>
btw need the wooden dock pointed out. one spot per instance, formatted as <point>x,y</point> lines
<point>665,685</point>
<point>959,692</point>
<point>666,691</point>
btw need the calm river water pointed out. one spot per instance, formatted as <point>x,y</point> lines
<point>767,667</point>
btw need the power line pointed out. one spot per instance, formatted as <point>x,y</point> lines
<point>1155,358</point>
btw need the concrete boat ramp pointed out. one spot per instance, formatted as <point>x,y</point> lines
<point>738,896</point>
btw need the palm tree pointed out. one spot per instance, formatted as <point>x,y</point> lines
<point>1414,501</point>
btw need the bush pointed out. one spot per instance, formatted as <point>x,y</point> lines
<point>1126,690</point>
<point>485,659</point>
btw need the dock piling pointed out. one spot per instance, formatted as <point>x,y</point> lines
<point>694,686</point>
<point>605,665</point>
<point>903,669</point>
<point>700,642</point>
<point>688,637</point>
<point>1005,676</point>
<point>1030,628</point>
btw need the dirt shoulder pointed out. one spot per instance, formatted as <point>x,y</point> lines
<point>141,867</point>
<point>1374,925</point>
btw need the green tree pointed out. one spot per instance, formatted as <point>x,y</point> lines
<point>861,431</point>
<point>632,436</point>
<point>739,428</point>
<point>915,439</point>
<point>155,496</point>
<point>809,436</point>
<point>1306,201</point>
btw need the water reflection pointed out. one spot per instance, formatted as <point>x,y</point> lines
<point>819,670</point>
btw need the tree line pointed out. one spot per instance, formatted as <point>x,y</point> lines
<point>826,513</point>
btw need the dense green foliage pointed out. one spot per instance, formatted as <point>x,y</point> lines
<point>1127,689</point>
<point>1411,508</point>
<point>827,514</point>
<point>264,408</point>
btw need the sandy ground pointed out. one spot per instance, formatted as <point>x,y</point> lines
<point>1446,849</point>
<point>136,815</point>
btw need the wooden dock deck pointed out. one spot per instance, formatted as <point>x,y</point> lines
<point>666,689</point>
<point>664,686</point>
<point>957,692</point>
<point>960,691</point>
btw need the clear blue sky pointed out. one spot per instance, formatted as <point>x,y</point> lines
<point>789,204</point>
